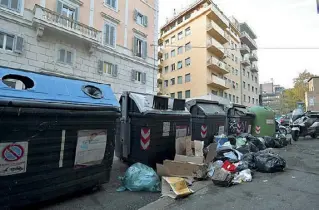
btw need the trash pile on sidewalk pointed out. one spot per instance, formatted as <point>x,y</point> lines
<point>231,160</point>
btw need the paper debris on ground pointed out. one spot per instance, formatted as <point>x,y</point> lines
<point>175,187</point>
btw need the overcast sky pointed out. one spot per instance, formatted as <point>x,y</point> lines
<point>277,24</point>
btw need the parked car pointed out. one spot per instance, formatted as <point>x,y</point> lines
<point>284,120</point>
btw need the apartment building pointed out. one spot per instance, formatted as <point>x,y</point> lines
<point>105,41</point>
<point>312,95</point>
<point>249,66</point>
<point>201,55</point>
<point>271,96</point>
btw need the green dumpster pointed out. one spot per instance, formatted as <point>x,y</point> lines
<point>264,123</point>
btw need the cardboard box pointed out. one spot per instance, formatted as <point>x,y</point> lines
<point>175,187</point>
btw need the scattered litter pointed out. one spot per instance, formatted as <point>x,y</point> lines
<point>229,166</point>
<point>293,177</point>
<point>269,163</point>
<point>222,177</point>
<point>175,187</point>
<point>140,177</point>
<point>243,176</point>
<point>265,180</point>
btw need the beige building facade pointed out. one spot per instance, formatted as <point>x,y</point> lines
<point>200,54</point>
<point>312,96</point>
<point>105,41</point>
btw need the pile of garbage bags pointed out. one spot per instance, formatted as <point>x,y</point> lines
<point>237,158</point>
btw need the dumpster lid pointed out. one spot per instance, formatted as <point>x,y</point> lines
<point>207,106</point>
<point>22,86</point>
<point>148,103</point>
<point>241,110</point>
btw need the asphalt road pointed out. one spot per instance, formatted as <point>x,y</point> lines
<point>295,188</point>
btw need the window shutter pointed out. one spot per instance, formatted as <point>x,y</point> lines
<point>18,44</point>
<point>112,36</point>
<point>135,14</point>
<point>107,34</point>
<point>144,78</point>
<point>133,75</point>
<point>59,7</point>
<point>144,50</point>
<point>19,5</point>
<point>76,14</point>
<point>100,67</point>
<point>114,70</point>
<point>145,21</point>
<point>113,3</point>
<point>134,45</point>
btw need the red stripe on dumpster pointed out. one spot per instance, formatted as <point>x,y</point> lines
<point>203,131</point>
<point>258,129</point>
<point>239,128</point>
<point>145,138</point>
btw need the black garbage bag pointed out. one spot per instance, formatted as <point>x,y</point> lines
<point>252,147</point>
<point>250,159</point>
<point>220,155</point>
<point>243,135</point>
<point>243,149</point>
<point>259,144</point>
<point>278,143</point>
<point>232,140</point>
<point>243,165</point>
<point>222,178</point>
<point>269,163</point>
<point>269,142</point>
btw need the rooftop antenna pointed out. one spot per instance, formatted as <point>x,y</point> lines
<point>174,13</point>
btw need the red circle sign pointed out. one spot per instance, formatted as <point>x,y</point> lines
<point>12,152</point>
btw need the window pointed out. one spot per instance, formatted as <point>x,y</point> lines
<point>188,46</point>
<point>232,57</point>
<point>245,98</point>
<point>244,84</point>
<point>187,78</point>
<point>236,46</point>
<point>187,61</point>
<point>248,74</point>
<point>107,67</point>
<point>110,34</point>
<point>248,87</point>
<point>14,5</point>
<point>187,94</point>
<point>236,72</point>
<point>214,92</point>
<point>237,99</point>
<point>244,72</point>
<point>166,69</point>
<point>138,76</point>
<point>166,83</point>
<point>257,101</point>
<point>166,56</point>
<point>180,20</point>
<point>252,88</point>
<point>180,50</point>
<point>225,95</point>
<point>179,80</point>
<point>65,56</point>
<point>229,96</point>
<point>234,98</point>
<point>236,85</point>
<point>256,90</point>
<point>166,42</point>
<point>233,70</point>
<point>256,79</point>
<point>236,59</point>
<point>252,77</point>
<point>140,18</point>
<point>173,81</point>
<point>180,95</point>
<point>253,101</point>
<point>172,95</point>
<point>187,31</point>
<point>173,67</point>
<point>248,99</point>
<point>187,16</point>
<point>140,48</point>
<point>173,53</point>
<point>173,39</point>
<point>180,35</point>
<point>179,65</point>
<point>67,11</point>
<point>111,3</point>
<point>6,41</point>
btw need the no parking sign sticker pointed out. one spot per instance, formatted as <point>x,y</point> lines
<point>13,158</point>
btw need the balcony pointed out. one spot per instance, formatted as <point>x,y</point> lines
<point>253,57</point>
<point>244,49</point>
<point>216,48</point>
<point>246,39</point>
<point>254,68</point>
<point>217,83</point>
<point>159,64</point>
<point>216,32</point>
<point>159,78</point>
<point>47,19</point>
<point>217,66</point>
<point>245,62</point>
<point>160,53</point>
<point>217,16</point>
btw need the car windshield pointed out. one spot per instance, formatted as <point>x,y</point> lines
<point>297,113</point>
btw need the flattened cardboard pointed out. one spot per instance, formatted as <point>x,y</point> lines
<point>189,159</point>
<point>198,147</point>
<point>183,169</point>
<point>211,153</point>
<point>175,187</point>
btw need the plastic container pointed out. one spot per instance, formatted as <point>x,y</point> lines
<point>149,126</point>
<point>57,136</point>
<point>264,123</point>
<point>239,120</point>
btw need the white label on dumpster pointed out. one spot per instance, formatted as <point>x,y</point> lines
<point>269,121</point>
<point>90,148</point>
<point>181,131</point>
<point>249,129</point>
<point>166,128</point>
<point>14,158</point>
<point>221,130</point>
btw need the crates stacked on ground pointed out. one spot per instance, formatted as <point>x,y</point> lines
<point>57,136</point>
<point>149,127</point>
<point>264,123</point>
<point>208,118</point>
<point>239,119</point>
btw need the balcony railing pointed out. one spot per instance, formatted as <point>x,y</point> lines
<point>254,68</point>
<point>217,82</point>
<point>245,62</point>
<point>53,19</point>
<point>215,47</point>
<point>217,65</point>
<point>253,56</point>
<point>218,16</point>
<point>245,38</point>
<point>244,49</point>
<point>216,31</point>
